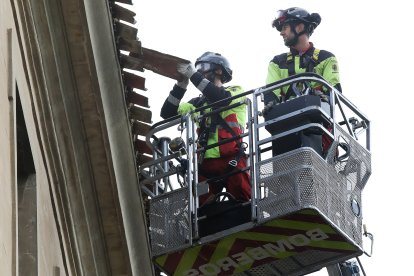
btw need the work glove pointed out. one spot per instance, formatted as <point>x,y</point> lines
<point>183,83</point>
<point>324,98</point>
<point>186,69</point>
<point>267,108</point>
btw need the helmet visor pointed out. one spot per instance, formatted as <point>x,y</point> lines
<point>205,67</point>
<point>280,19</point>
<point>281,15</point>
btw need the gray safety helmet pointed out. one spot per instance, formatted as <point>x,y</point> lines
<point>218,60</point>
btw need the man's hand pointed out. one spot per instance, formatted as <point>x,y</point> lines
<point>186,69</point>
<point>183,84</point>
<point>324,98</point>
<point>267,108</point>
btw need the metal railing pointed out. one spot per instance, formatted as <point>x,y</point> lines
<point>340,113</point>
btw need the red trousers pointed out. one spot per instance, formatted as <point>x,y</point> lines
<point>238,184</point>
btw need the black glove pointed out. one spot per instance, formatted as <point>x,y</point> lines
<point>267,108</point>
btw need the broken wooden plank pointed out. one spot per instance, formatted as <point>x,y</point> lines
<point>160,63</point>
<point>125,31</point>
<point>133,81</point>
<point>135,98</point>
<point>123,13</point>
<point>140,114</point>
<point>130,62</point>
<point>142,158</point>
<point>133,46</point>
<point>139,128</point>
<point>142,147</point>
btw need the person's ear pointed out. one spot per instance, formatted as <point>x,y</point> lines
<point>300,27</point>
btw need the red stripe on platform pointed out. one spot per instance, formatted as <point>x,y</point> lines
<point>172,261</point>
<point>205,254</point>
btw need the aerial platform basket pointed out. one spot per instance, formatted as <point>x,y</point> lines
<point>306,221</point>
<point>306,206</point>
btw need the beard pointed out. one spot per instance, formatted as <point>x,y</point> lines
<point>291,41</point>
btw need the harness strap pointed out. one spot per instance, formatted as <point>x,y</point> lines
<point>315,55</point>
<point>290,61</point>
<point>224,124</point>
<point>291,64</point>
<point>204,131</point>
<point>314,60</point>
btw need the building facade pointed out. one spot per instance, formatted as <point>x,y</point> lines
<point>70,202</point>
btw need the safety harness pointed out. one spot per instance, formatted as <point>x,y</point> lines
<point>205,131</point>
<point>309,62</point>
<point>217,120</point>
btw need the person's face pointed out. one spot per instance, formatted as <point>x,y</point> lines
<point>287,34</point>
<point>210,71</point>
<point>215,77</point>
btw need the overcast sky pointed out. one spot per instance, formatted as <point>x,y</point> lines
<point>368,38</point>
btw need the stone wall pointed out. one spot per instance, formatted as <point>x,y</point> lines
<point>69,202</point>
<point>29,241</point>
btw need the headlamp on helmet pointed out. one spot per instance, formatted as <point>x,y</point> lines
<point>279,20</point>
<point>297,15</point>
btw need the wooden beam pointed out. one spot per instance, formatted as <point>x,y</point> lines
<point>160,63</point>
<point>125,31</point>
<point>132,63</point>
<point>137,99</point>
<point>133,46</point>
<point>140,114</point>
<point>123,13</point>
<point>139,128</point>
<point>142,158</point>
<point>142,147</point>
<point>133,81</point>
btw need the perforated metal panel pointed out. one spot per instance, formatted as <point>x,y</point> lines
<point>169,221</point>
<point>302,179</point>
<point>302,264</point>
<point>357,168</point>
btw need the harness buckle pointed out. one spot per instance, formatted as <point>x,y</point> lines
<point>233,163</point>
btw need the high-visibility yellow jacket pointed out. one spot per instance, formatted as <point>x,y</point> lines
<point>314,60</point>
<point>235,117</point>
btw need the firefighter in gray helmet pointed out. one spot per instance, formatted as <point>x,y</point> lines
<point>209,61</point>
<point>210,73</point>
